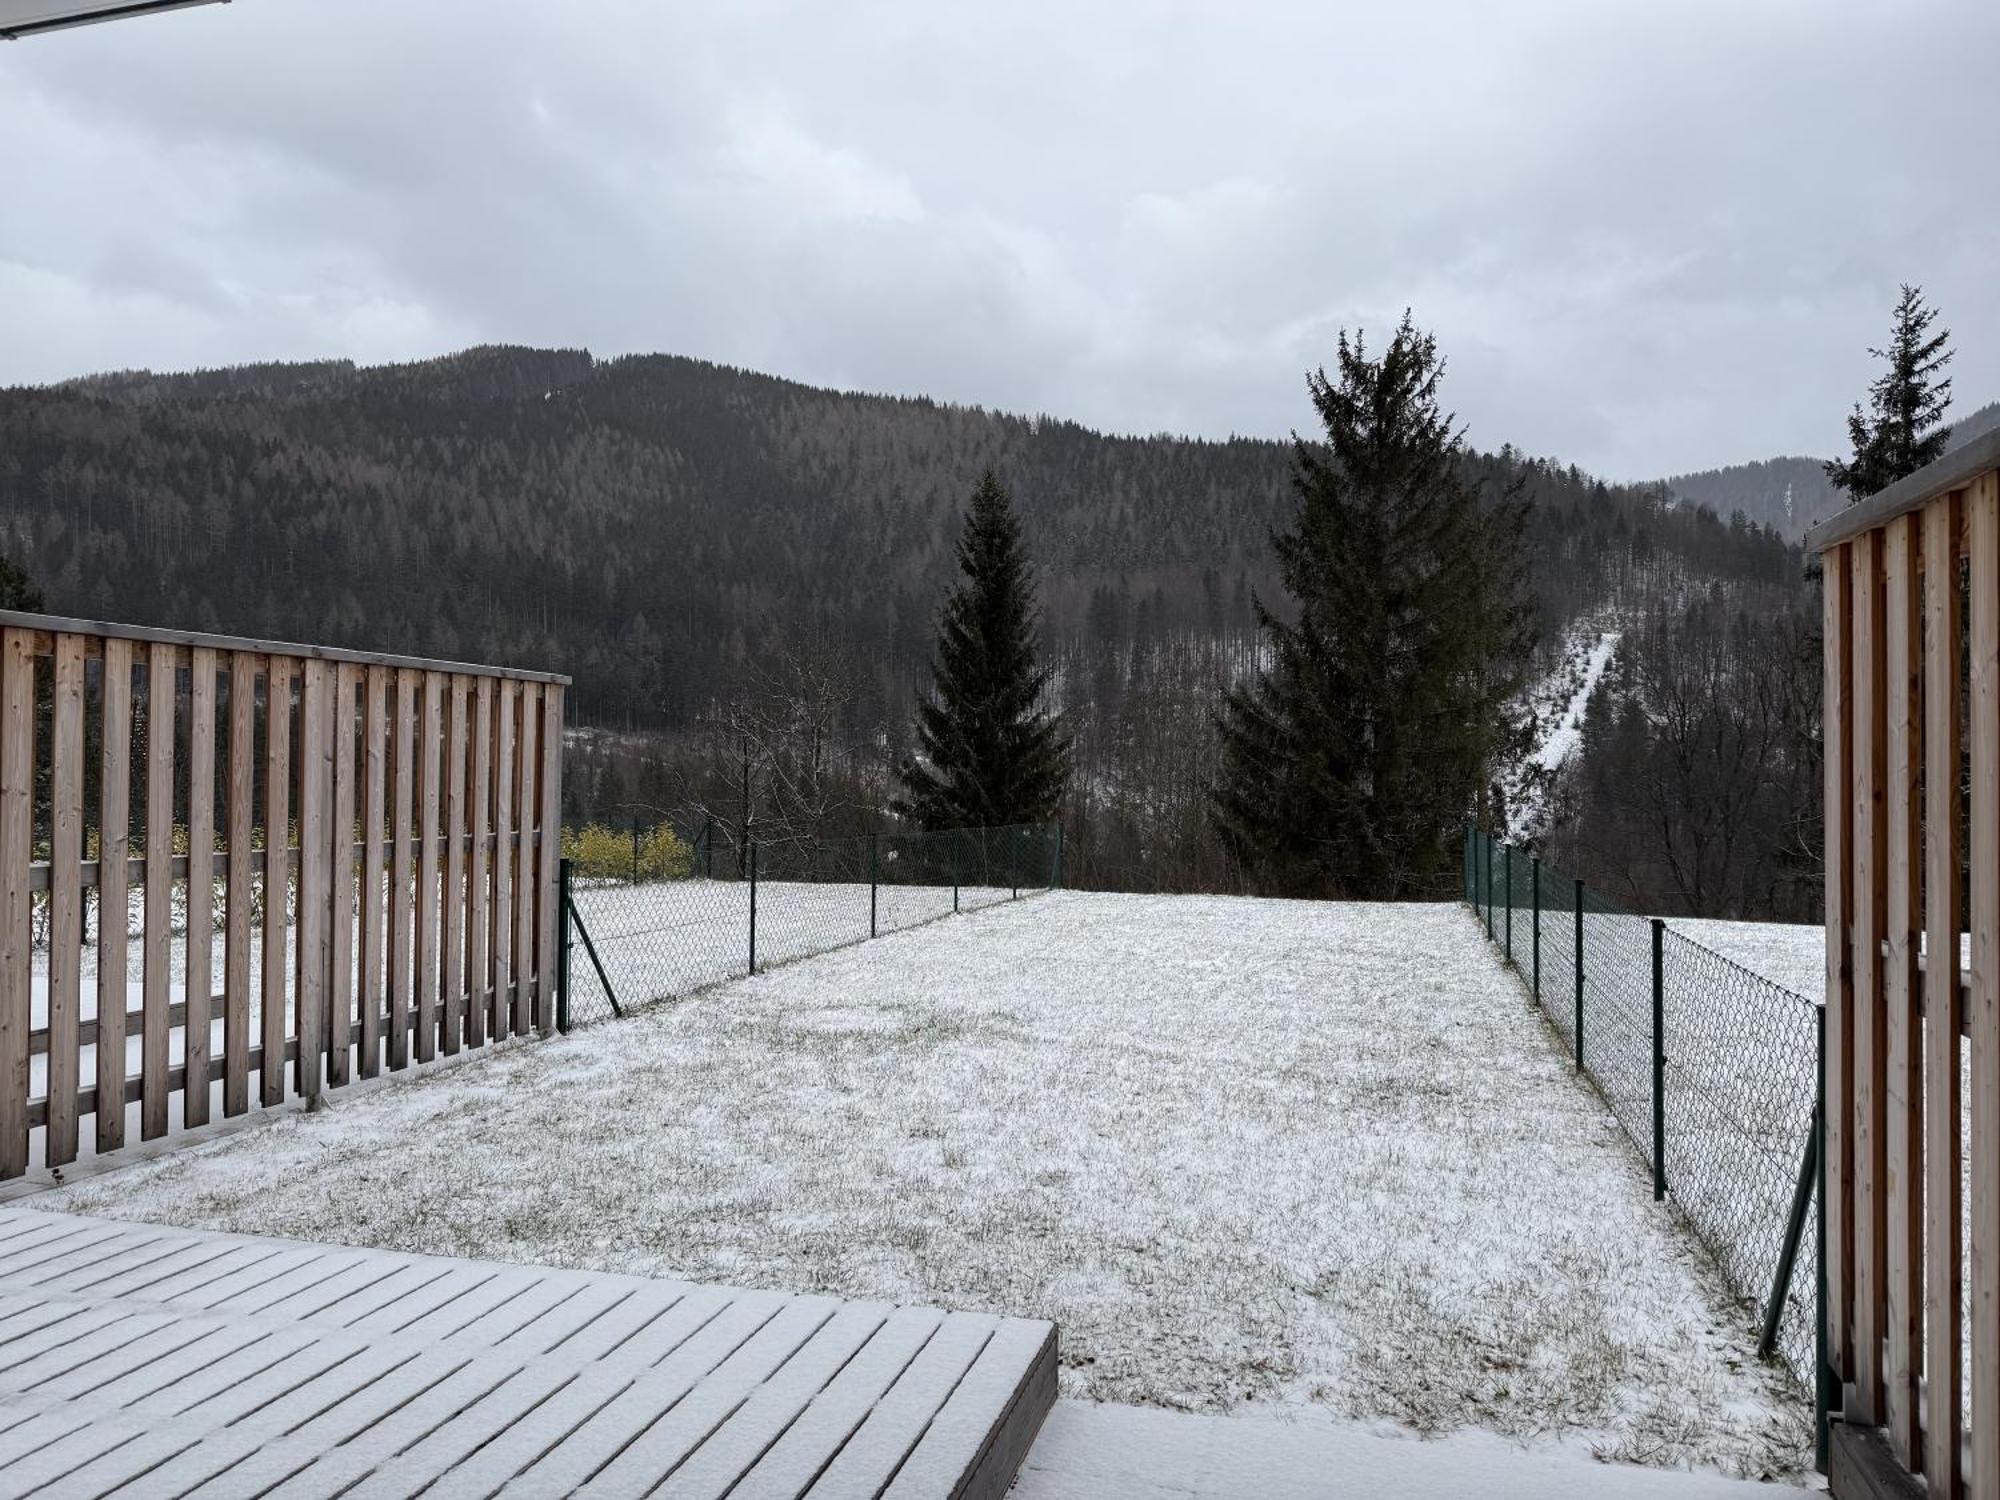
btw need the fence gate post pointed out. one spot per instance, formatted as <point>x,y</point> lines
<point>1578,970</point>
<point>1507,878</point>
<point>1535,884</point>
<point>753,898</point>
<point>874,878</point>
<point>562,946</point>
<point>1659,1061</point>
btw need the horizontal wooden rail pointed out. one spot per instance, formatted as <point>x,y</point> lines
<point>135,867</point>
<point>95,632</point>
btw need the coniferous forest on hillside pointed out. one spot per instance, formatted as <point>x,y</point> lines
<point>742,576</point>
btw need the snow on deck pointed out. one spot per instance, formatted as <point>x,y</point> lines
<point>144,1362</point>
<point>1241,1152</point>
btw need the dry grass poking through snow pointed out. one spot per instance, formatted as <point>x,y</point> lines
<point>1239,1150</point>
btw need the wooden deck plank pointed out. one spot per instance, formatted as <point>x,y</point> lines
<point>159,1360</point>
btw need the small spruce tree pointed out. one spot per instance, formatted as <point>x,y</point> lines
<point>987,755</point>
<point>1901,431</point>
<point>1385,707</point>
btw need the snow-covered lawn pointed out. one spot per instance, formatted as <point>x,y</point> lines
<point>1243,1152</point>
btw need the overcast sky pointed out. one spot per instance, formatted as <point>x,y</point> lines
<point>1651,235</point>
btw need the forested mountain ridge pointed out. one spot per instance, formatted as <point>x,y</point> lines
<point>652,524</point>
<point>1791,494</point>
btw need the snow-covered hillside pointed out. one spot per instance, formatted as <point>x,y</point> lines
<point>1559,702</point>
<point>1256,1153</point>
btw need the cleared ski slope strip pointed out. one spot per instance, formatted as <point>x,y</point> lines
<point>1243,1152</point>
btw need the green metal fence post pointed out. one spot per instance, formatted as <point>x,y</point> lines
<point>635,848</point>
<point>1059,856</point>
<point>1535,886</point>
<point>752,840</point>
<point>1507,880</point>
<point>708,844</point>
<point>562,945</point>
<point>1659,1060</point>
<point>1487,860</point>
<point>1578,969</point>
<point>953,836</point>
<point>1014,863</point>
<point>874,878</point>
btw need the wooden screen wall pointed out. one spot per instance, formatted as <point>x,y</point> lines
<point>237,872</point>
<point>1913,867</point>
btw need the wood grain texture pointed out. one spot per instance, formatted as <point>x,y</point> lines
<point>506,711</point>
<point>66,756</point>
<point>1902,1077</point>
<point>371,985</point>
<point>479,883</point>
<point>17,791</point>
<point>430,803</point>
<point>452,956</point>
<point>1870,1035</point>
<point>402,814</point>
<point>342,834</point>
<point>1982,1292</point>
<point>315,860</point>
<point>156,942</point>
<point>1838,706</point>
<point>114,842</point>
<point>526,775</point>
<point>1944,1006</point>
<point>198,973</point>
<point>276,953</point>
<point>546,894</point>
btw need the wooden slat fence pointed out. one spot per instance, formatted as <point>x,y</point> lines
<point>228,860</point>
<point>1912,705</point>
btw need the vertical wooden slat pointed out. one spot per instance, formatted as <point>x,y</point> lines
<point>430,733</point>
<point>524,876</point>
<point>479,886</point>
<point>315,860</point>
<point>452,960</point>
<point>200,969</point>
<point>401,729</point>
<point>1944,1006</point>
<point>242,896</point>
<point>369,990</point>
<point>114,848</point>
<point>65,899</point>
<point>17,824</point>
<point>1902,1082</point>
<point>1870,1033</point>
<point>340,937</point>
<point>277,875</point>
<point>157,940</point>
<point>1982,1293</point>
<point>506,709</point>
<point>551,852</point>
<point>1838,705</point>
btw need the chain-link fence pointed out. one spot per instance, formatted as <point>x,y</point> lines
<point>1712,1070</point>
<point>662,912</point>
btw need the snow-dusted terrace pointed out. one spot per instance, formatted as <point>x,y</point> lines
<point>1247,1154</point>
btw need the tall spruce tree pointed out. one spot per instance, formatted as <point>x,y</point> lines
<point>1385,706</point>
<point>988,755</point>
<point>1901,430</point>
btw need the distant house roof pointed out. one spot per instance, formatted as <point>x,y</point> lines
<point>19,18</point>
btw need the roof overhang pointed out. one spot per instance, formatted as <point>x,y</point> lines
<point>19,18</point>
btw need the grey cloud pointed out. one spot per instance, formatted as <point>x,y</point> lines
<point>1649,238</point>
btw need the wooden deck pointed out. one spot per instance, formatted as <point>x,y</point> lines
<point>145,1361</point>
